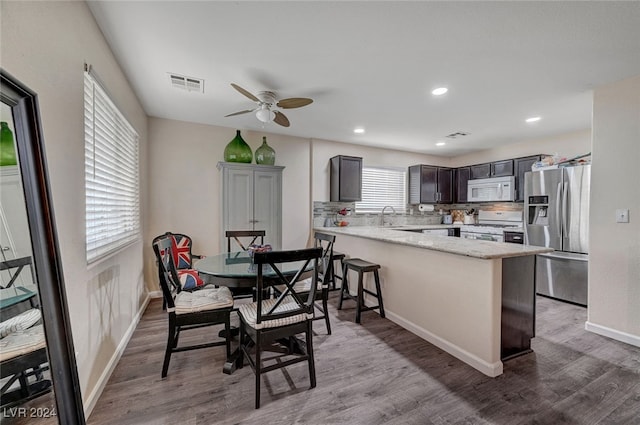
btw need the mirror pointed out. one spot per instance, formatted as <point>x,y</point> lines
<point>39,378</point>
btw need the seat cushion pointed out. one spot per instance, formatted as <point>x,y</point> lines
<point>22,342</point>
<point>303,285</point>
<point>203,300</point>
<point>190,279</point>
<point>20,322</point>
<point>249,313</point>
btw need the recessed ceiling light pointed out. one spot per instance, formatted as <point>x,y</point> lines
<point>440,144</point>
<point>358,130</point>
<point>533,119</point>
<point>439,91</point>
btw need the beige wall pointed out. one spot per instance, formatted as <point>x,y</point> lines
<point>45,45</point>
<point>185,193</point>
<point>614,264</point>
<point>566,145</point>
<point>323,150</point>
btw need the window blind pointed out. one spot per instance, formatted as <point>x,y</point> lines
<point>381,187</point>
<point>111,174</point>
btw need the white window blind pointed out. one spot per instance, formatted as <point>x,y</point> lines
<point>381,187</point>
<point>111,174</point>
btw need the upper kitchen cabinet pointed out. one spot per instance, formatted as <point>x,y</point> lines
<point>430,185</point>
<point>346,179</point>
<point>492,169</point>
<point>522,165</point>
<point>463,174</point>
<point>252,200</point>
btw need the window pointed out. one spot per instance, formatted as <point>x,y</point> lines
<point>383,186</point>
<point>111,174</point>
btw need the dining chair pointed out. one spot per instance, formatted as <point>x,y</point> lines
<point>182,260</point>
<point>325,274</point>
<point>266,322</point>
<point>242,240</point>
<point>190,310</point>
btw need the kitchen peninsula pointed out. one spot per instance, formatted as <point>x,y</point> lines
<point>474,299</point>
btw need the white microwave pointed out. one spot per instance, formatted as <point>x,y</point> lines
<point>492,189</point>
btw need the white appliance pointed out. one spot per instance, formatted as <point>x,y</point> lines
<point>491,225</point>
<point>492,189</point>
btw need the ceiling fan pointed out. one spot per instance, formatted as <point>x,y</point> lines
<point>266,101</point>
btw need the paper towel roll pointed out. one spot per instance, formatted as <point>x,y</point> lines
<point>425,207</point>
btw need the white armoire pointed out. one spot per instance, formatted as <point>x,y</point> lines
<point>252,200</point>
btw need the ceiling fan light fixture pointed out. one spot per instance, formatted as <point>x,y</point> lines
<point>264,114</point>
<point>439,91</point>
<point>358,130</point>
<point>533,119</point>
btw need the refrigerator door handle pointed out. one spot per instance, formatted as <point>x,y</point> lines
<point>558,194</point>
<point>565,216</point>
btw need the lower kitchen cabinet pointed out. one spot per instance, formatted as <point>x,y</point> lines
<point>252,200</point>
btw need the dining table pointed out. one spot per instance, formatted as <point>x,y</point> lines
<point>237,270</point>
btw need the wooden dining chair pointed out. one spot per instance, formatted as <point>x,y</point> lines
<point>182,256</point>
<point>240,237</point>
<point>190,310</point>
<point>325,274</point>
<point>265,321</point>
<point>241,240</point>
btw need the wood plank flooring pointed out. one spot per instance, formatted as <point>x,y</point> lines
<point>379,373</point>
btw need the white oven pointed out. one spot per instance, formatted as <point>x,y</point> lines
<point>481,234</point>
<point>491,225</point>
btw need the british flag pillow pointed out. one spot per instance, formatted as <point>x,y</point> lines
<point>189,279</point>
<point>181,251</point>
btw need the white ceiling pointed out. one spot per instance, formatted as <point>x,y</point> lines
<point>374,64</point>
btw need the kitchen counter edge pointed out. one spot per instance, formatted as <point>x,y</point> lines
<point>453,245</point>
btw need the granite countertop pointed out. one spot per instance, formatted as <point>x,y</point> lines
<point>453,245</point>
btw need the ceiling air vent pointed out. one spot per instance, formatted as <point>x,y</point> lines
<point>457,134</point>
<point>186,83</point>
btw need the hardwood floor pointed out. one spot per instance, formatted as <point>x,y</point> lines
<point>379,373</point>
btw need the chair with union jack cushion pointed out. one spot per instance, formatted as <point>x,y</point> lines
<point>182,260</point>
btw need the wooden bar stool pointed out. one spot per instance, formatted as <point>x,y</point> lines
<point>360,266</point>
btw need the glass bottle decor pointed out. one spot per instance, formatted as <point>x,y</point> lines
<point>265,153</point>
<point>237,150</point>
<point>7,148</point>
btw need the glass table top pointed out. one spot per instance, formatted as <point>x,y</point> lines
<point>238,265</point>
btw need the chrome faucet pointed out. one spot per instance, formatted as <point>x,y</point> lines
<point>382,222</point>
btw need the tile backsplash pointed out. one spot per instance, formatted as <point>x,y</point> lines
<point>325,213</point>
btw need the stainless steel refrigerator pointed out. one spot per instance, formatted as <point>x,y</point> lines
<point>557,216</point>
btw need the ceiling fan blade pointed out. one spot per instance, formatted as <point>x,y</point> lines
<point>294,102</point>
<point>240,113</point>
<point>281,119</point>
<point>245,92</point>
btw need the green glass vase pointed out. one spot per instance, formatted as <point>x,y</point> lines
<point>7,148</point>
<point>237,150</point>
<point>265,153</point>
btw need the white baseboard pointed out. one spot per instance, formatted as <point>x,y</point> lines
<point>155,294</point>
<point>92,399</point>
<point>489,369</point>
<point>613,333</point>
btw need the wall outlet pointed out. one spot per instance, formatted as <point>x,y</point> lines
<point>622,215</point>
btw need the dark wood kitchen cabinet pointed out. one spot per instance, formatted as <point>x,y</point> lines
<point>492,169</point>
<point>463,174</point>
<point>430,185</point>
<point>345,179</point>
<point>522,165</point>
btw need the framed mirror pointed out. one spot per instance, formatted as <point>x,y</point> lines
<point>37,359</point>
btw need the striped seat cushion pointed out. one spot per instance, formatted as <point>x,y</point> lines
<point>249,313</point>
<point>22,342</point>
<point>190,279</point>
<point>203,300</point>
<point>303,285</point>
<point>20,322</point>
